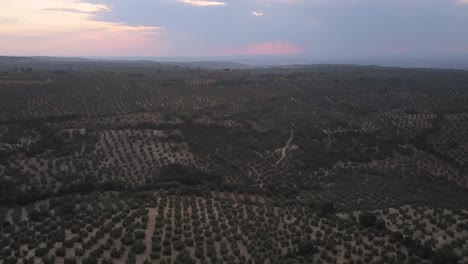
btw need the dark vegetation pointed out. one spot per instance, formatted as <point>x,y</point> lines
<point>153,163</point>
<point>186,175</point>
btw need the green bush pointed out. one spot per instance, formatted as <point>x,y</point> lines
<point>115,253</point>
<point>139,247</point>
<point>41,251</point>
<point>167,251</point>
<point>90,260</point>
<point>69,260</point>
<point>326,208</point>
<point>60,252</point>
<point>445,255</point>
<point>305,248</point>
<point>367,219</point>
<point>10,260</point>
<point>48,259</point>
<point>380,224</point>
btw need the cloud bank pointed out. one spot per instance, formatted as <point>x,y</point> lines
<point>42,27</point>
<point>313,28</point>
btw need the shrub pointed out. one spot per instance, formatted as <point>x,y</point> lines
<point>326,208</point>
<point>139,247</point>
<point>115,253</point>
<point>186,175</point>
<point>306,248</point>
<point>29,260</point>
<point>131,259</point>
<point>184,258</point>
<point>140,234</point>
<point>167,251</point>
<point>6,252</point>
<point>69,260</point>
<point>380,224</point>
<point>10,260</point>
<point>107,261</point>
<point>90,260</point>
<point>445,255</point>
<point>69,243</point>
<point>60,252</point>
<point>41,251</point>
<point>367,219</point>
<point>48,259</point>
<point>128,239</point>
<point>79,251</point>
<point>154,255</point>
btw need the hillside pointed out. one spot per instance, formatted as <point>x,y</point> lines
<point>144,161</point>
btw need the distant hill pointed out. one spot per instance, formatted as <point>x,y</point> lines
<point>215,63</point>
<point>435,63</point>
<point>459,64</point>
<point>71,63</point>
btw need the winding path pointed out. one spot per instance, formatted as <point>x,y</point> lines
<point>285,148</point>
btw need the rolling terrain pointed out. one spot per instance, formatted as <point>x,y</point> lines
<point>140,162</point>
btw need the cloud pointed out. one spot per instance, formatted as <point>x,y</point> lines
<point>45,16</point>
<point>351,2</point>
<point>257,13</point>
<point>78,6</point>
<point>71,10</point>
<point>7,19</point>
<point>57,25</point>
<point>332,27</point>
<point>264,48</point>
<point>203,3</point>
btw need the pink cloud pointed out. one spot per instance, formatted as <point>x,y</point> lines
<point>69,27</point>
<point>265,48</point>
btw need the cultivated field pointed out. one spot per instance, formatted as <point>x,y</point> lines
<point>166,164</point>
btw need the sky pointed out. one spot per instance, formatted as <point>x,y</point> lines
<point>222,28</point>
